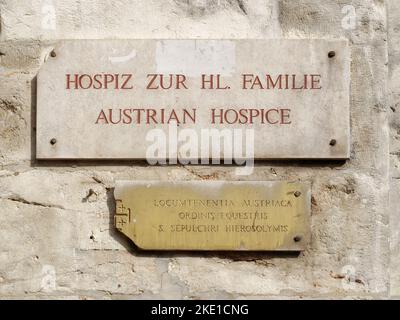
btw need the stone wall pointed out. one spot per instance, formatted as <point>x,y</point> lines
<point>56,236</point>
<point>394,104</point>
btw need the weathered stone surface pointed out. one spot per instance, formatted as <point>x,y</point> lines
<point>125,19</point>
<point>105,103</point>
<point>362,22</point>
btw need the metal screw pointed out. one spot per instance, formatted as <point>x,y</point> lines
<point>331,54</point>
<point>53,54</point>
<point>332,142</point>
<point>53,141</point>
<point>297,239</point>
<point>297,194</point>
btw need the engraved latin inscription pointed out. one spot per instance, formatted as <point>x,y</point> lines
<point>214,215</point>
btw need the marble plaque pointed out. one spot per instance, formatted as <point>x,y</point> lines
<point>214,215</point>
<point>116,99</point>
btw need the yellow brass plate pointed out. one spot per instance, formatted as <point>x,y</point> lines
<point>214,215</point>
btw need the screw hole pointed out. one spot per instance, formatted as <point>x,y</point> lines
<point>53,54</point>
<point>53,141</point>
<point>297,194</point>
<point>332,142</point>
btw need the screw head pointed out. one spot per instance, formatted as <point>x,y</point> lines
<point>53,141</point>
<point>297,239</point>
<point>53,54</point>
<point>297,194</point>
<point>331,54</point>
<point>332,142</point>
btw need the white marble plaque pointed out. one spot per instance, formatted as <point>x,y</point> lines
<point>116,99</point>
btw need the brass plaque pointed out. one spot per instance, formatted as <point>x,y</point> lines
<point>214,215</point>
